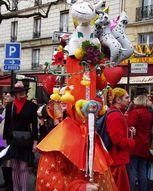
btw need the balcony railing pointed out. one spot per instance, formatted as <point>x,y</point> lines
<point>145,12</point>
<point>36,34</point>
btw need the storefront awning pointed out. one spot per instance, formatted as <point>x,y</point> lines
<point>6,80</point>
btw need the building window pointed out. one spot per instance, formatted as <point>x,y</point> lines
<point>38,2</point>
<point>64,17</point>
<point>146,38</point>
<point>147,2</point>
<point>145,11</point>
<point>37,27</point>
<point>14,30</point>
<point>35,58</point>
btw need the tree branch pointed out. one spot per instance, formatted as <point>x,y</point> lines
<point>6,5</point>
<point>15,14</point>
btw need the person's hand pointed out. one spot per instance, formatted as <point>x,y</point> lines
<point>132,131</point>
<point>34,146</point>
<point>92,187</point>
<point>41,121</point>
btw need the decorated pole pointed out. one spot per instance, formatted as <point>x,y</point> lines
<point>84,52</point>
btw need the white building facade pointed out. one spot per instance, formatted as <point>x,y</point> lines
<point>39,36</point>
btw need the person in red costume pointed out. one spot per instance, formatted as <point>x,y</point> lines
<point>117,128</point>
<point>62,164</point>
<point>141,117</point>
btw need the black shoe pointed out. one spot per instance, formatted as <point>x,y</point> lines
<point>3,185</point>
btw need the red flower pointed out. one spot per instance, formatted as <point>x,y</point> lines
<point>59,58</point>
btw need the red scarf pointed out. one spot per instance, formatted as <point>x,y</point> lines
<point>19,104</point>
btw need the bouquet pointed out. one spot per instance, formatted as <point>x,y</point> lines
<point>89,53</point>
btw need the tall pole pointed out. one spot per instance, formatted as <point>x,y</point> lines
<point>13,79</point>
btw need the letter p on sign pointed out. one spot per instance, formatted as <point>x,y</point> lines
<point>12,50</point>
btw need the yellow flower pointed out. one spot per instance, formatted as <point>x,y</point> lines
<point>78,53</point>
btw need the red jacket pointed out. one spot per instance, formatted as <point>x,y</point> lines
<point>117,129</point>
<point>141,119</point>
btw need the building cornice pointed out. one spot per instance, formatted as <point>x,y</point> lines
<point>34,43</point>
<point>141,23</point>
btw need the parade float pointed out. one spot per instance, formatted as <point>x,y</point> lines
<point>89,72</point>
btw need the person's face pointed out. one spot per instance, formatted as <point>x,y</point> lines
<point>8,97</point>
<point>124,101</point>
<point>20,95</point>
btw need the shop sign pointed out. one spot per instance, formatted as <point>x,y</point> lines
<point>137,80</point>
<point>139,68</point>
<point>12,56</point>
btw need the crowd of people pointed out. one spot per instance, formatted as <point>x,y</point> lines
<point>60,146</point>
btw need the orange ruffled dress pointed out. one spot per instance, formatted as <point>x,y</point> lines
<point>62,162</point>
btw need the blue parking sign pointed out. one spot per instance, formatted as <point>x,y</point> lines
<point>12,56</point>
<point>12,50</point>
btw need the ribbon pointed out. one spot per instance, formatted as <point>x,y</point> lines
<point>91,122</point>
<point>113,23</point>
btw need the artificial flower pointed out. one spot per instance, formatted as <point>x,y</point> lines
<point>79,53</point>
<point>91,53</point>
<point>59,58</point>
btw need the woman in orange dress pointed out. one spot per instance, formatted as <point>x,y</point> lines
<point>62,165</point>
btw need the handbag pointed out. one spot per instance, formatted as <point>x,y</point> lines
<point>21,138</point>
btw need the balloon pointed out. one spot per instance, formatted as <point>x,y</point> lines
<point>111,33</point>
<point>48,83</point>
<point>83,12</point>
<point>113,75</point>
<point>119,34</point>
<point>103,32</point>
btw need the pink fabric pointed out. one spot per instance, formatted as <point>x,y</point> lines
<point>113,23</point>
<point>20,175</point>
